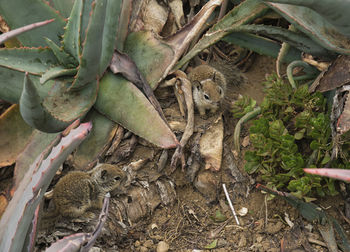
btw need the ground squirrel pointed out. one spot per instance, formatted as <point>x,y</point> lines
<point>209,87</point>
<point>78,191</point>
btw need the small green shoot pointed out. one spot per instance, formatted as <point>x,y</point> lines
<point>212,245</point>
<point>218,217</point>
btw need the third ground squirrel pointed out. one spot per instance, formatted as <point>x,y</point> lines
<point>78,191</point>
<point>209,87</point>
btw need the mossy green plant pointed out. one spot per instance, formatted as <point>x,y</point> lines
<point>293,132</point>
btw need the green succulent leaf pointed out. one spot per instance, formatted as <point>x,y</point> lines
<point>333,11</point>
<point>261,45</point>
<point>130,108</point>
<point>64,7</point>
<point>92,47</point>
<point>71,37</point>
<point>315,26</point>
<point>276,129</point>
<point>73,105</point>
<point>297,40</point>
<point>18,13</point>
<point>55,72</point>
<point>34,113</point>
<point>151,55</point>
<point>101,134</point>
<point>37,143</point>
<point>62,57</point>
<point>12,84</point>
<point>110,29</point>
<point>32,60</point>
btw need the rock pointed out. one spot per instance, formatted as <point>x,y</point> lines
<point>211,145</point>
<point>162,246</point>
<point>148,244</point>
<point>137,244</point>
<point>242,241</point>
<point>274,228</point>
<point>143,249</point>
<point>207,184</point>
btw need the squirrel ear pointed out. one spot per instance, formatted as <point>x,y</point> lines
<point>214,76</point>
<point>103,174</point>
<point>197,84</point>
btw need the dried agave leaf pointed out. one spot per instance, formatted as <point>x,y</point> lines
<point>154,16</point>
<point>336,75</point>
<point>14,135</point>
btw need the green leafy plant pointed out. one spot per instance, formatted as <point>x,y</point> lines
<point>293,132</point>
<point>242,106</point>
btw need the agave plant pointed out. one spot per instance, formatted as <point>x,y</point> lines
<point>60,73</point>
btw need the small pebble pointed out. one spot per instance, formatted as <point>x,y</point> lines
<point>137,244</point>
<point>143,249</point>
<point>242,241</point>
<point>148,244</point>
<point>274,228</point>
<point>259,238</point>
<point>162,246</point>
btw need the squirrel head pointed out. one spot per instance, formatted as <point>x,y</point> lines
<point>108,177</point>
<point>208,92</point>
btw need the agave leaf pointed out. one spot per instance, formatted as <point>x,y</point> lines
<point>92,47</point>
<point>13,33</point>
<point>55,72</point>
<point>151,55</point>
<point>261,45</point>
<point>244,13</point>
<point>20,211</point>
<point>14,135</point>
<point>110,29</point>
<point>71,243</point>
<point>72,105</point>
<point>64,7</point>
<point>130,108</point>
<point>34,113</point>
<point>18,13</point>
<point>297,40</point>
<point>35,145</point>
<point>123,25</point>
<point>154,57</point>
<point>64,58</point>
<point>334,11</point>
<point>85,17</point>
<point>32,60</point>
<point>315,26</point>
<point>341,174</point>
<point>12,85</point>
<point>71,37</point>
<point>101,134</point>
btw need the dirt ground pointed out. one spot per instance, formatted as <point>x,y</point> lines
<point>180,211</point>
<point>189,224</point>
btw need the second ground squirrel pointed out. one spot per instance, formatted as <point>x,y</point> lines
<point>209,88</point>
<point>78,191</point>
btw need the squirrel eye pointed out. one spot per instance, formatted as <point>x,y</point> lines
<point>117,178</point>
<point>206,96</point>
